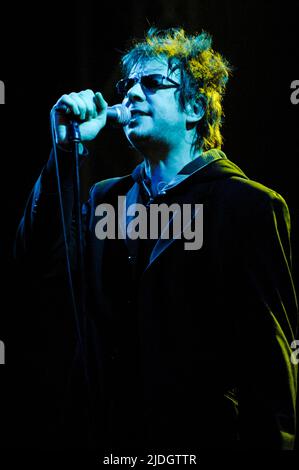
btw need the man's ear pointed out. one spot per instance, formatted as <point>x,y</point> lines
<point>195,110</point>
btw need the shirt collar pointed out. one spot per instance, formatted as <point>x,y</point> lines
<point>140,175</point>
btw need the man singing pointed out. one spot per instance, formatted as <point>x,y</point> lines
<point>187,348</point>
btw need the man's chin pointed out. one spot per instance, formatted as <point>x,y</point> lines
<point>138,137</point>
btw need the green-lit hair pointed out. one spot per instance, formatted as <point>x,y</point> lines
<point>203,72</point>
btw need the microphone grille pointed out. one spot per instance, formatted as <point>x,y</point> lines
<point>123,113</point>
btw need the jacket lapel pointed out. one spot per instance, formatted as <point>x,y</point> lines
<point>164,243</point>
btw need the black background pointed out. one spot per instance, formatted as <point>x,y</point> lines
<point>53,48</point>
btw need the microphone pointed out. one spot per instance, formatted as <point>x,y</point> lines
<point>118,114</point>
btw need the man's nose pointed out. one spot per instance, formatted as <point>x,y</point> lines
<point>136,93</point>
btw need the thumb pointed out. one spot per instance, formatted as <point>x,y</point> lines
<point>101,104</point>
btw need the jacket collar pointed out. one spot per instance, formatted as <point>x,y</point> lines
<point>211,165</point>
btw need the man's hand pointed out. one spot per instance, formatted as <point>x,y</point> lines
<point>91,110</point>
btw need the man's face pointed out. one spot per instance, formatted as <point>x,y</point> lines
<point>161,123</point>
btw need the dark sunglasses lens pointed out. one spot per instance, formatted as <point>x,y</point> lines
<point>152,82</point>
<point>129,83</point>
<point>123,86</point>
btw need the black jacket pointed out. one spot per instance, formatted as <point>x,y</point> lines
<point>186,349</point>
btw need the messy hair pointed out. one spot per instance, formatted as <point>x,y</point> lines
<point>203,73</point>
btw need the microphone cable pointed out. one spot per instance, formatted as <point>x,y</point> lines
<point>81,343</point>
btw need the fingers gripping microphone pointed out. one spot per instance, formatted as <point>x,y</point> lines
<point>118,114</point>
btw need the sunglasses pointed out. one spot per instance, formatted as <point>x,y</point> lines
<point>151,83</point>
